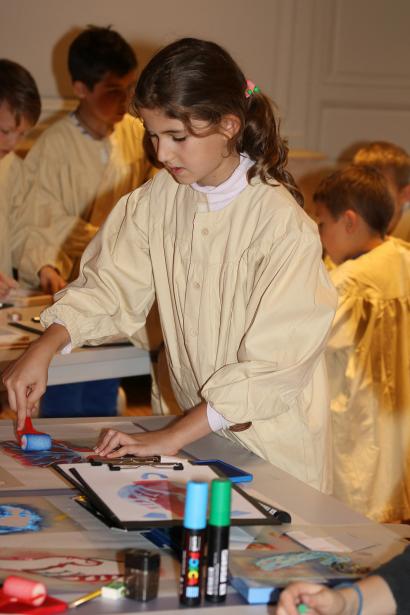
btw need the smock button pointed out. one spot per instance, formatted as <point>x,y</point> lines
<point>205,231</point>
<point>197,285</point>
<point>194,332</point>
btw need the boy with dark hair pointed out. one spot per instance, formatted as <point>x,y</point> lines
<point>85,162</point>
<point>78,169</point>
<point>96,52</point>
<point>20,108</point>
<point>394,162</point>
<point>368,353</point>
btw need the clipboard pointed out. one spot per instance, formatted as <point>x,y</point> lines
<point>142,497</point>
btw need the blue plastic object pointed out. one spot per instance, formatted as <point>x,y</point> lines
<point>196,505</point>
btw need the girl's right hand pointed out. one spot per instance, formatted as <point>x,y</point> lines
<point>320,600</point>
<point>26,381</point>
<point>26,378</point>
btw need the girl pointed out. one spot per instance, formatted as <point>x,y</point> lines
<point>235,264</point>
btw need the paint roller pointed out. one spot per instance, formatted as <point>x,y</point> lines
<point>30,439</point>
<point>20,595</point>
<point>24,590</point>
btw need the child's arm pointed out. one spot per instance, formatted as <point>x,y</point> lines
<point>110,296</point>
<point>6,284</point>
<point>192,426</point>
<point>26,378</point>
<point>50,280</point>
<point>376,595</point>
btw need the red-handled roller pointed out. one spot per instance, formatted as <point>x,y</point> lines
<point>24,590</point>
<point>25,596</point>
<point>32,440</point>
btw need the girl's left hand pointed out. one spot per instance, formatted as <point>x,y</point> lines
<point>115,444</point>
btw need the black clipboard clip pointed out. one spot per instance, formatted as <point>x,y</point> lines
<point>131,462</point>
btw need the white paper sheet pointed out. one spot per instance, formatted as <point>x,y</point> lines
<point>153,494</point>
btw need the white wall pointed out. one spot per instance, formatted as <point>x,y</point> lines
<point>339,70</point>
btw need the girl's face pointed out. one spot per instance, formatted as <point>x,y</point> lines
<point>205,160</point>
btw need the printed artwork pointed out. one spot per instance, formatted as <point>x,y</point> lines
<point>155,495</point>
<point>60,452</point>
<point>66,569</point>
<point>158,496</point>
<point>282,568</point>
<point>16,518</point>
<point>81,569</point>
<point>32,514</point>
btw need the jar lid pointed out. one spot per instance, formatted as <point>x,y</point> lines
<point>141,559</point>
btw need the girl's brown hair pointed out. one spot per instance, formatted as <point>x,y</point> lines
<point>194,79</point>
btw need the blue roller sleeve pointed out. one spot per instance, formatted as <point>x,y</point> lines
<point>35,442</point>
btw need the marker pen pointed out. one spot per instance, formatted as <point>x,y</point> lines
<point>193,540</point>
<point>218,540</point>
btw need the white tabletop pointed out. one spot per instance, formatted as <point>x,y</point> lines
<point>307,506</point>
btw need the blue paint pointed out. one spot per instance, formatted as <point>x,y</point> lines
<point>154,515</point>
<point>60,453</point>
<point>284,560</point>
<point>33,519</point>
<point>148,475</point>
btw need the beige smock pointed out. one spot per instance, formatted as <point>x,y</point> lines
<point>75,181</point>
<point>13,214</point>
<point>368,360</point>
<point>245,306</point>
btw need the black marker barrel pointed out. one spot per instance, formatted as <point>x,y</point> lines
<point>196,504</point>
<point>218,541</point>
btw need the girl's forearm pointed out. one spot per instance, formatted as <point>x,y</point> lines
<point>191,427</point>
<point>54,338</point>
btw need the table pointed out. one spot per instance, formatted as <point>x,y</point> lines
<point>83,364</point>
<point>307,506</point>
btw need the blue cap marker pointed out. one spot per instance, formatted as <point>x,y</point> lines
<point>196,505</point>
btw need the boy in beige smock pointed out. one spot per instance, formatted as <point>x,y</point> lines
<point>19,110</point>
<point>85,162</point>
<point>76,172</point>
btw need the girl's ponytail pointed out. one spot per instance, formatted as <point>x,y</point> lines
<point>262,142</point>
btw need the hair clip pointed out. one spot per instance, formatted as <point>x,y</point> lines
<point>251,88</point>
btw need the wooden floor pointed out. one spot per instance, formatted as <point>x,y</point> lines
<point>137,390</point>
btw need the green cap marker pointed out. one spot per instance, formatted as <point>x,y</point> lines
<point>220,515</point>
<point>218,540</point>
<point>303,608</point>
